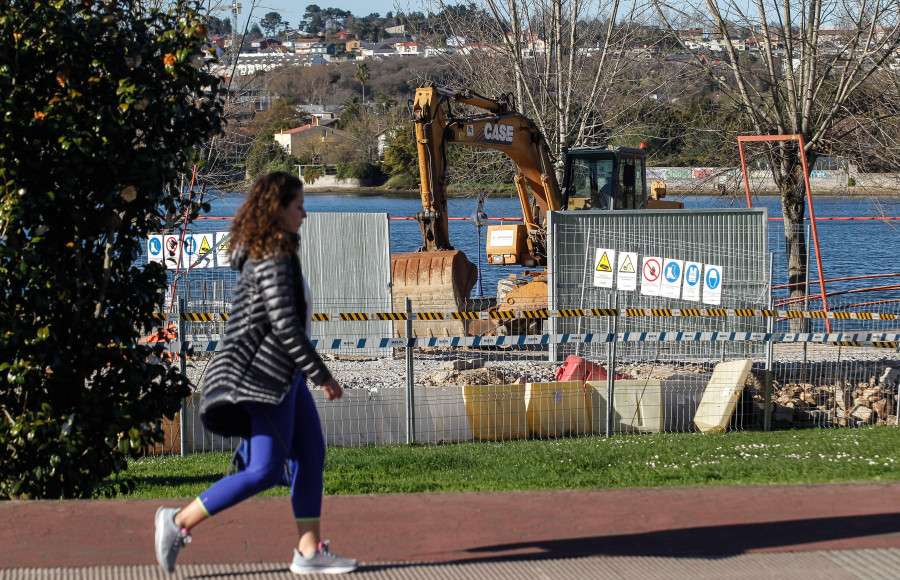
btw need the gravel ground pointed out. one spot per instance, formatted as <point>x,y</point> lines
<point>467,367</point>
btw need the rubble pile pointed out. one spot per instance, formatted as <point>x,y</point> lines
<point>840,404</point>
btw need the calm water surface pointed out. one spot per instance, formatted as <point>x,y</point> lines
<point>848,248</point>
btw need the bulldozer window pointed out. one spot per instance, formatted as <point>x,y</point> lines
<point>590,185</point>
<point>627,195</point>
<point>640,191</point>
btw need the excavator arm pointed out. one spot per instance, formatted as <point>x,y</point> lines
<point>498,128</point>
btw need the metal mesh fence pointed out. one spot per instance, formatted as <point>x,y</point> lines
<point>519,388</point>
<point>733,240</point>
<point>536,373</point>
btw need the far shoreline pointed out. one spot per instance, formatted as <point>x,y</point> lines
<point>412,193</point>
<point>672,193</point>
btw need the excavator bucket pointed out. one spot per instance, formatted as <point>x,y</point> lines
<point>434,282</point>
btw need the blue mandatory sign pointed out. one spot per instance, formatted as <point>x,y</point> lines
<point>692,275</point>
<point>673,272</point>
<point>190,246</point>
<point>713,277</point>
<point>155,246</point>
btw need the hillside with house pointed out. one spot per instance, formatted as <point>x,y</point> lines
<point>365,70</point>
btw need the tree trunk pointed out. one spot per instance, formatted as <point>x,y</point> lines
<point>793,208</point>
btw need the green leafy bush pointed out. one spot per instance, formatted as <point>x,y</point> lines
<point>402,181</point>
<point>311,173</point>
<point>105,104</point>
<point>266,156</point>
<point>400,156</point>
<point>356,170</point>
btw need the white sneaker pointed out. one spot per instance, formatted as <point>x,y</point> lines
<point>322,562</point>
<point>169,538</point>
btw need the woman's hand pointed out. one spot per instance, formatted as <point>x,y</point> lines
<point>332,389</point>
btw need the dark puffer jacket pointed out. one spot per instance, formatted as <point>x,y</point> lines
<point>265,343</point>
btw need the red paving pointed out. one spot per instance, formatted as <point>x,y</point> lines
<point>473,527</point>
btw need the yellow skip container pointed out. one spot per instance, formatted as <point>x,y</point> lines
<point>557,408</point>
<point>496,412</point>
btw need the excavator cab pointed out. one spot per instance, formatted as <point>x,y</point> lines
<point>605,179</point>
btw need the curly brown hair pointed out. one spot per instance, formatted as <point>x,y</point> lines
<point>256,231</point>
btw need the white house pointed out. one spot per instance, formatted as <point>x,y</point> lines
<point>381,49</point>
<point>410,48</point>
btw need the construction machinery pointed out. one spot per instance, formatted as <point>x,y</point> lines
<point>595,178</point>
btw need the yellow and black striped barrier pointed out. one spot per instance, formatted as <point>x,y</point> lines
<point>354,316</point>
<point>545,313</point>
<point>873,344</point>
<point>570,313</point>
<point>465,315</point>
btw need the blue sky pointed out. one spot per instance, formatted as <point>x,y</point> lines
<point>292,10</point>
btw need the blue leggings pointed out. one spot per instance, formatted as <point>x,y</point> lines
<point>290,429</point>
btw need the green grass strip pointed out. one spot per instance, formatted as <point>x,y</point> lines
<point>736,458</point>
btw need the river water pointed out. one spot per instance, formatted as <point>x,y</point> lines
<point>848,248</point>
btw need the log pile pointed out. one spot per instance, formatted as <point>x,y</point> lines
<point>838,404</point>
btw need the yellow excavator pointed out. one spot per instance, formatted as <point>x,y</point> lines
<point>594,178</point>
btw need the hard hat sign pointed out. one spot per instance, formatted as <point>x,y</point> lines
<point>712,284</point>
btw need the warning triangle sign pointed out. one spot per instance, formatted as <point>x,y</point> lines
<point>204,245</point>
<point>603,265</point>
<point>627,266</point>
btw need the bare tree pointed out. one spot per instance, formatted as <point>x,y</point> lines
<point>789,77</point>
<point>564,62</point>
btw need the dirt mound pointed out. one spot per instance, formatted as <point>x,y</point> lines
<point>482,376</point>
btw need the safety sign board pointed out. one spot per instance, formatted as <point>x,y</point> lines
<point>155,250</point>
<point>205,244</point>
<point>221,242</point>
<point>626,277</point>
<point>712,284</point>
<point>671,278</point>
<point>171,251</point>
<point>692,281</point>
<point>604,258</point>
<point>651,276</point>
<point>190,251</point>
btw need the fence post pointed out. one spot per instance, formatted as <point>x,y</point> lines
<point>806,324</point>
<point>770,353</point>
<point>611,370</point>
<point>410,381</point>
<point>181,366</point>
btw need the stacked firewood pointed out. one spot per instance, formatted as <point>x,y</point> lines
<point>840,404</point>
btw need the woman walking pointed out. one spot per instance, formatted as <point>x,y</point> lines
<point>256,387</point>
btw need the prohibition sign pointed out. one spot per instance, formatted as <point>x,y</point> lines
<point>651,270</point>
<point>171,245</point>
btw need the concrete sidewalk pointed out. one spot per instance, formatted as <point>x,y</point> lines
<point>815,531</point>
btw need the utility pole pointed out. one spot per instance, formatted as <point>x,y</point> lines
<point>235,49</point>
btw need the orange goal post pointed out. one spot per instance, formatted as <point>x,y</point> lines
<point>812,215</point>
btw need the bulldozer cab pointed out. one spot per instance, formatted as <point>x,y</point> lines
<point>605,179</point>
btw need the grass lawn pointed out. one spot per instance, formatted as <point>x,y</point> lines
<point>737,458</point>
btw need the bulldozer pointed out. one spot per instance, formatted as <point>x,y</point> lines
<point>594,179</point>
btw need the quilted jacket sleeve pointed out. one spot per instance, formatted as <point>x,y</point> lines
<point>279,285</point>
